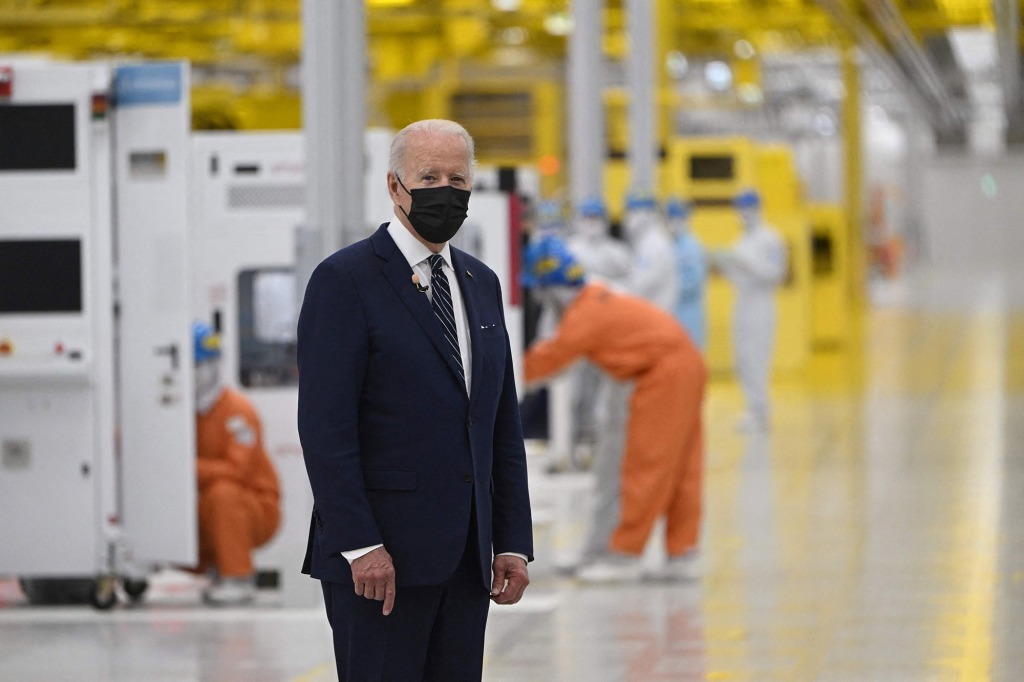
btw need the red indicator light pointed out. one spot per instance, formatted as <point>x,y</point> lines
<point>99,106</point>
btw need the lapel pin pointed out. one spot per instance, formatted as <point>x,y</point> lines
<point>469,274</point>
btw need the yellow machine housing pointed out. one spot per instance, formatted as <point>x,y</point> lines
<point>514,121</point>
<point>830,295</point>
<point>710,172</point>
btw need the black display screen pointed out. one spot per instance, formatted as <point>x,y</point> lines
<point>711,168</point>
<point>43,276</point>
<point>37,137</point>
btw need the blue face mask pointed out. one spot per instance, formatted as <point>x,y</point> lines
<point>437,213</point>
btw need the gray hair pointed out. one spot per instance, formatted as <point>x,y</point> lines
<point>437,126</point>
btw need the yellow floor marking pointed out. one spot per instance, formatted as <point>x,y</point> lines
<point>324,671</point>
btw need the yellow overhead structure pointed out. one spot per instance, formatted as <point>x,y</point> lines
<point>497,66</point>
<point>410,41</point>
<point>231,29</point>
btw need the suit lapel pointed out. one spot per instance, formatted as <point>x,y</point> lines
<point>471,299</point>
<point>396,270</point>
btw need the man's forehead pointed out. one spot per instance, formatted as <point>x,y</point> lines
<point>437,150</point>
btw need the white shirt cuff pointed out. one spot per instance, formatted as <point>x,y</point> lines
<point>521,556</point>
<point>354,554</point>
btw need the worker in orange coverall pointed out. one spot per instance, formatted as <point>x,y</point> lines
<point>631,340</point>
<point>239,493</point>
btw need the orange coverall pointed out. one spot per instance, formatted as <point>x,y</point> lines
<point>662,468</point>
<point>239,494</point>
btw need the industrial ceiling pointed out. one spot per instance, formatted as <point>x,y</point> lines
<point>951,57</point>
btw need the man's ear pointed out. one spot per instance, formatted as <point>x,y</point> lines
<point>393,187</point>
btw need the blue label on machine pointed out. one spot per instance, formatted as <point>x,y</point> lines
<point>147,84</point>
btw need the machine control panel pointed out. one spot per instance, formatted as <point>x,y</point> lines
<point>25,356</point>
<point>55,350</point>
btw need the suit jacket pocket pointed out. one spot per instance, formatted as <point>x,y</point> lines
<point>389,479</point>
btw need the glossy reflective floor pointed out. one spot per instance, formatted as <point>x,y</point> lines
<point>877,533</point>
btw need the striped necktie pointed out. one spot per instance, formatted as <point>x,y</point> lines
<point>441,300</point>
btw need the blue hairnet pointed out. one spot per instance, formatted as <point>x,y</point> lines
<point>747,199</point>
<point>549,214</point>
<point>592,207</point>
<point>678,208</point>
<point>637,200</point>
<point>548,262</point>
<point>206,342</point>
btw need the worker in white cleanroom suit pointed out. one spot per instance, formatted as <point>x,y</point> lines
<point>601,400</point>
<point>580,388</point>
<point>654,269</point>
<point>599,253</point>
<point>652,276</point>
<point>756,265</point>
<point>692,266</point>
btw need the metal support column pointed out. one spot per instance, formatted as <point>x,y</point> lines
<point>333,116</point>
<point>1008,44</point>
<point>915,233</point>
<point>640,72</point>
<point>587,145</point>
<point>853,179</point>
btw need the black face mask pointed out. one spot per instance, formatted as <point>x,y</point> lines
<point>437,213</point>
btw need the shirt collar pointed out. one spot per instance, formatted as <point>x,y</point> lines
<point>413,249</point>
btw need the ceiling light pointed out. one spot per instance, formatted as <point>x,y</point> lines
<point>824,124</point>
<point>744,49</point>
<point>750,93</point>
<point>676,64</point>
<point>558,24</point>
<point>718,75</point>
<point>515,35</point>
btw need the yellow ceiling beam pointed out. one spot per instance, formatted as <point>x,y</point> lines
<point>933,20</point>
<point>748,23</point>
<point>272,38</point>
<point>22,16</point>
<point>410,37</point>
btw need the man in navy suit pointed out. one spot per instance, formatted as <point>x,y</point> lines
<point>410,431</point>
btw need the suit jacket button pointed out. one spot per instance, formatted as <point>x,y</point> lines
<point>469,421</point>
<point>468,478</point>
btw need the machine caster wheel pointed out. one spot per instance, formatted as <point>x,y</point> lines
<point>135,589</point>
<point>104,596</point>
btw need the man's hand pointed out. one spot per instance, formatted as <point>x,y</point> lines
<point>374,577</point>
<point>510,579</point>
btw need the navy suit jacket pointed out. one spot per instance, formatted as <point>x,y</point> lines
<point>395,450</point>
